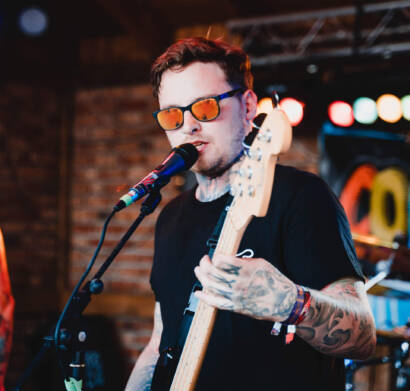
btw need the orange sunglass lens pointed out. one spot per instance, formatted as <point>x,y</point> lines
<point>170,119</point>
<point>206,109</point>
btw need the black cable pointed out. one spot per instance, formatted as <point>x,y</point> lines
<point>75,291</point>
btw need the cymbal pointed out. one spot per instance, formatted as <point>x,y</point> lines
<point>374,241</point>
<point>373,249</point>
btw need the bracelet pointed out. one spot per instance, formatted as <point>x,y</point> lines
<point>297,308</point>
<point>297,315</point>
<point>305,309</point>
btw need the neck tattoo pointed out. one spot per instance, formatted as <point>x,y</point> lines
<point>210,189</point>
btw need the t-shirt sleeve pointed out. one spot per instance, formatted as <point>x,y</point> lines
<point>318,247</point>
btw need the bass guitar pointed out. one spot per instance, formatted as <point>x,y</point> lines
<point>252,189</point>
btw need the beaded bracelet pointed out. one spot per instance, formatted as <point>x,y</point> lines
<point>298,313</point>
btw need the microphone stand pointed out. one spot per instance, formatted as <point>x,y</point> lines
<point>74,336</point>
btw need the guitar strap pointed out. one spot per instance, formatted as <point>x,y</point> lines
<point>189,311</point>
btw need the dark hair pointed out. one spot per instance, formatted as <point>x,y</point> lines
<point>232,59</point>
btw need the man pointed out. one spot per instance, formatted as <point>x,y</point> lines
<point>303,241</point>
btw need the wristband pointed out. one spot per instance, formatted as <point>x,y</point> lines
<point>305,309</point>
<point>297,315</point>
<point>297,308</point>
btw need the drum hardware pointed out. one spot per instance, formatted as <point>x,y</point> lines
<point>399,354</point>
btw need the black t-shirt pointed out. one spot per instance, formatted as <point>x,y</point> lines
<point>305,235</point>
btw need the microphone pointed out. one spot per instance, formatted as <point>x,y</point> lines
<point>181,158</point>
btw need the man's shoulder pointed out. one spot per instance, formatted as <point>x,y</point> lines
<point>293,179</point>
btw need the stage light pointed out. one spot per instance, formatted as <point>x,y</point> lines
<point>312,69</point>
<point>33,21</point>
<point>405,105</point>
<point>365,110</point>
<point>389,108</point>
<point>264,106</point>
<point>293,109</point>
<point>341,113</point>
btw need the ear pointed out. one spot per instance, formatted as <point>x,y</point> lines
<point>249,103</point>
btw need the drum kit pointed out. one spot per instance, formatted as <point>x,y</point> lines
<point>388,288</point>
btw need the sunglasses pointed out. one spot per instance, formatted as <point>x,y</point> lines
<point>204,109</point>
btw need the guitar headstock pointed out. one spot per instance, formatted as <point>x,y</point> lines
<point>252,185</point>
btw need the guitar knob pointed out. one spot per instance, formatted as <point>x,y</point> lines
<point>268,136</point>
<point>249,172</point>
<point>258,155</point>
<point>251,191</point>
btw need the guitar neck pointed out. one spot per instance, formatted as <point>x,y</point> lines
<point>197,340</point>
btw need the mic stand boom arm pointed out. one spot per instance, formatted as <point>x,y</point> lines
<point>80,301</point>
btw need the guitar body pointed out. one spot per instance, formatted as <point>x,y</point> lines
<point>179,371</point>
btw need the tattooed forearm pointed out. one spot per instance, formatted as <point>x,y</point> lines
<point>339,322</point>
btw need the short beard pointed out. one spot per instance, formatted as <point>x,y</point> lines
<point>219,170</point>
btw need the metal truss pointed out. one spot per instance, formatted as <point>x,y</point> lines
<point>367,29</point>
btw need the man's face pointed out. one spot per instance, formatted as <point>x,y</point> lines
<point>218,141</point>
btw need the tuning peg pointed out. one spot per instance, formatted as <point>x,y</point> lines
<point>265,136</point>
<point>255,154</point>
<point>258,155</point>
<point>236,190</point>
<point>251,191</point>
<point>249,172</point>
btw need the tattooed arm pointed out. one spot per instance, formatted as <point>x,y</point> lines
<point>141,376</point>
<point>339,321</point>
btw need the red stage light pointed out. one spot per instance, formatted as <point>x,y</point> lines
<point>341,113</point>
<point>293,109</point>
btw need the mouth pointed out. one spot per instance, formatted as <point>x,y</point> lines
<point>199,145</point>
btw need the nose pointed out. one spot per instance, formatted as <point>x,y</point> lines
<point>191,124</point>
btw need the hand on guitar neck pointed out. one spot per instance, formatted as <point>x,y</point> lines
<point>250,287</point>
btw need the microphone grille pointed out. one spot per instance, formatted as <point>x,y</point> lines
<point>188,152</point>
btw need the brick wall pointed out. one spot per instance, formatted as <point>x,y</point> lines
<point>29,176</point>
